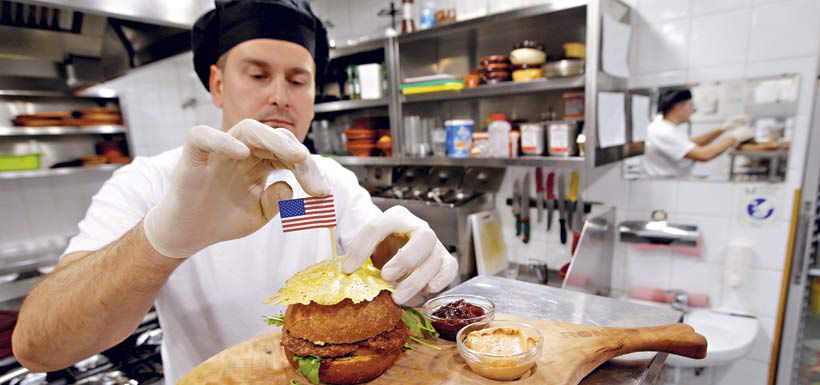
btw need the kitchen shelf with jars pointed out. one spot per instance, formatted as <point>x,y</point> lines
<point>45,134</point>
<point>516,88</point>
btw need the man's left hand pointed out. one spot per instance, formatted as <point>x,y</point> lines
<point>423,263</point>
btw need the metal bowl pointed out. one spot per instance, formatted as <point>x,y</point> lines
<point>564,68</point>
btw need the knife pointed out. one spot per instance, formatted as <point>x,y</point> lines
<point>539,190</point>
<point>573,199</point>
<point>525,212</point>
<point>562,214</point>
<point>516,208</point>
<point>550,199</point>
<point>578,225</point>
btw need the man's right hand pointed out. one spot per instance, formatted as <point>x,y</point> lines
<point>217,190</point>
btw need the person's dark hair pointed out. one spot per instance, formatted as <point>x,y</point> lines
<point>671,97</point>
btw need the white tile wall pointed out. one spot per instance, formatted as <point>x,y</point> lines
<point>733,29</point>
<point>659,10</point>
<point>785,29</point>
<point>663,46</point>
<point>700,7</point>
<point>745,371</point>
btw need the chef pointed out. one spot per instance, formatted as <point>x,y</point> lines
<point>670,152</point>
<point>195,231</point>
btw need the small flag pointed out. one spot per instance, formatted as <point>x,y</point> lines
<point>307,213</point>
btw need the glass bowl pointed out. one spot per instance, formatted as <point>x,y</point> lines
<point>449,327</point>
<point>497,366</point>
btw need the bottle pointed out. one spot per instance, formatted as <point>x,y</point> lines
<point>407,23</point>
<point>357,86</point>
<point>427,19</point>
<point>499,129</point>
<point>351,75</point>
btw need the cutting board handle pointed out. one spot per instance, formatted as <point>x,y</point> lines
<point>680,339</point>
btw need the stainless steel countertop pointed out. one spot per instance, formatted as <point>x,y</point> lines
<point>540,301</point>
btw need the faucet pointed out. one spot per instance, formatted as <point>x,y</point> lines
<point>680,301</point>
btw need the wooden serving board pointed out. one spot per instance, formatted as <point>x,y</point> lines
<point>571,351</point>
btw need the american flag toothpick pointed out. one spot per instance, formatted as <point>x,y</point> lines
<point>307,213</point>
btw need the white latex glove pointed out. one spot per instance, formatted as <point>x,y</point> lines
<point>423,263</point>
<point>218,192</point>
<point>742,133</point>
<point>736,121</point>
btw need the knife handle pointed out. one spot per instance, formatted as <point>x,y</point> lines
<point>550,185</point>
<point>526,228</point>
<point>539,180</point>
<point>517,224</point>
<point>562,223</point>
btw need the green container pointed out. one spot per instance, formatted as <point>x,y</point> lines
<point>19,162</point>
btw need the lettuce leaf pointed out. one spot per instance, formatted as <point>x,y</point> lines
<point>309,367</point>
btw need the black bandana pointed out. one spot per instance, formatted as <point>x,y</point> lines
<point>671,97</point>
<point>236,21</point>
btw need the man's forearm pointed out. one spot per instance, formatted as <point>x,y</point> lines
<point>90,304</point>
<point>712,150</point>
<point>702,140</point>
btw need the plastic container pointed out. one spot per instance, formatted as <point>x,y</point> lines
<point>561,136</point>
<point>498,366</point>
<point>515,137</point>
<point>481,144</point>
<point>575,50</point>
<point>449,327</point>
<point>573,105</point>
<point>427,18</point>
<point>459,137</point>
<point>370,80</point>
<point>439,139</point>
<point>528,52</point>
<point>20,162</point>
<point>533,138</point>
<point>499,129</point>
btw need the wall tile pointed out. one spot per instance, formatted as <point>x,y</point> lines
<point>706,198</point>
<point>658,10</point>
<point>768,242</point>
<point>697,277</point>
<point>667,78</point>
<point>702,74</point>
<point>746,372</point>
<point>759,293</point>
<point>714,232</point>
<point>732,28</point>
<point>663,46</point>
<point>762,347</point>
<point>786,29</point>
<point>607,185</point>
<point>700,7</point>
<point>648,268</point>
<point>653,195</point>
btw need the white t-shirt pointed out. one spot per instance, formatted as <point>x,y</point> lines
<point>214,299</point>
<point>665,150</point>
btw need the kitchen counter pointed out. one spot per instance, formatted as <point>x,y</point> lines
<point>540,301</point>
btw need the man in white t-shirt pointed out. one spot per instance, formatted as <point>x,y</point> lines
<point>670,152</point>
<point>195,231</point>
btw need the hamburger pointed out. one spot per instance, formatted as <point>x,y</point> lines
<point>339,328</point>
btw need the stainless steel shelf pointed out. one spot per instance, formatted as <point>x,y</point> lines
<point>478,22</point>
<point>528,161</point>
<point>347,105</point>
<point>814,272</point>
<point>61,130</point>
<point>52,94</point>
<point>57,171</point>
<point>500,89</point>
<point>352,47</point>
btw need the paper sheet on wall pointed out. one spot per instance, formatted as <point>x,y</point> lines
<point>640,117</point>
<point>615,49</point>
<point>611,119</point>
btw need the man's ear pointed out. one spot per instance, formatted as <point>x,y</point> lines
<point>215,83</point>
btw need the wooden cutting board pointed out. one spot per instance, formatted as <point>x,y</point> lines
<point>571,351</point>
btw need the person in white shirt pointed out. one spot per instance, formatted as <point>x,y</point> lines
<point>195,231</point>
<point>670,152</point>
